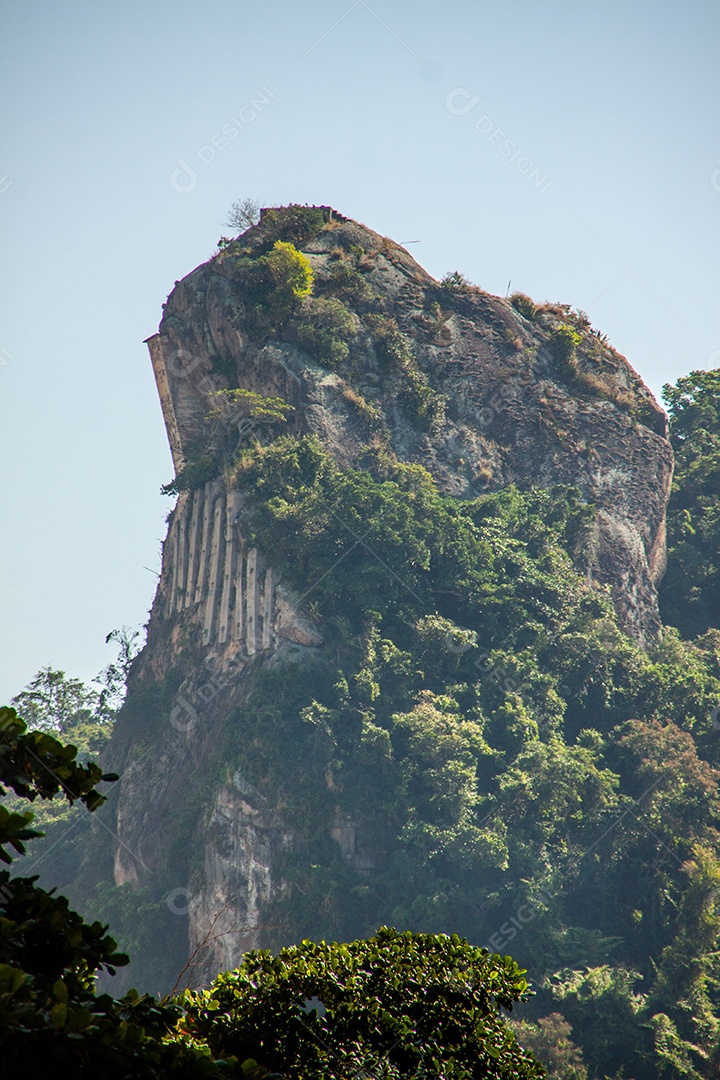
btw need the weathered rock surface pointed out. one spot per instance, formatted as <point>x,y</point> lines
<point>220,613</point>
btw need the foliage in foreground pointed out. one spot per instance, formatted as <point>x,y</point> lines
<point>395,1005</point>
<point>49,956</point>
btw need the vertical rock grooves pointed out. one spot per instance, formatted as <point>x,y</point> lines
<point>211,577</point>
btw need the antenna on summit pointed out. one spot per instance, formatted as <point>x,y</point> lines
<point>508,289</point>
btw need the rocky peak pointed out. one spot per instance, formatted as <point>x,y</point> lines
<point>310,323</point>
<point>482,391</point>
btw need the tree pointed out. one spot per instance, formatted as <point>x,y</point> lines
<point>690,591</point>
<point>243,214</point>
<point>291,272</point>
<point>394,1005</point>
<point>113,678</point>
<point>456,282</point>
<point>57,704</point>
<point>325,327</point>
<point>603,1002</point>
<point>246,411</point>
<point>51,701</point>
<point>549,1038</point>
<point>688,1027</point>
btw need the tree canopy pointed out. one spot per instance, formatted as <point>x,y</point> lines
<point>394,1005</point>
<point>690,591</point>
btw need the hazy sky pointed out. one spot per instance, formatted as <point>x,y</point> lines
<point>572,148</point>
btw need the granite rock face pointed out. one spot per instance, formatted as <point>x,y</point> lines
<point>509,414</point>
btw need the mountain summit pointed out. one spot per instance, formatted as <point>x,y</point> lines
<point>483,392</point>
<point>388,488</point>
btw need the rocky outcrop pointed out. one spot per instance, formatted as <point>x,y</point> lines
<point>509,411</point>
<point>509,418</point>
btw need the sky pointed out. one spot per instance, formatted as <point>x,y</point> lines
<point>569,150</point>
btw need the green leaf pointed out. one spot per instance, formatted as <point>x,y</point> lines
<point>58,1014</point>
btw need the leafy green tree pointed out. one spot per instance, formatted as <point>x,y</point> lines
<point>395,1005</point>
<point>549,1039</point>
<point>273,284</point>
<point>674,1056</point>
<point>36,765</point>
<point>689,970</point>
<point>324,327</point>
<point>291,272</point>
<point>603,1003</point>
<point>454,281</point>
<point>57,704</point>
<point>112,680</point>
<point>295,223</point>
<point>53,702</point>
<point>564,341</point>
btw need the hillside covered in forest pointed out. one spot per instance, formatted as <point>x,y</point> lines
<point>436,646</point>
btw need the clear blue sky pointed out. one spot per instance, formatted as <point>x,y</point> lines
<point>607,197</point>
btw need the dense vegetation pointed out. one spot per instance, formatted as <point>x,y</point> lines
<point>397,1003</point>
<point>690,594</point>
<point>523,774</point>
